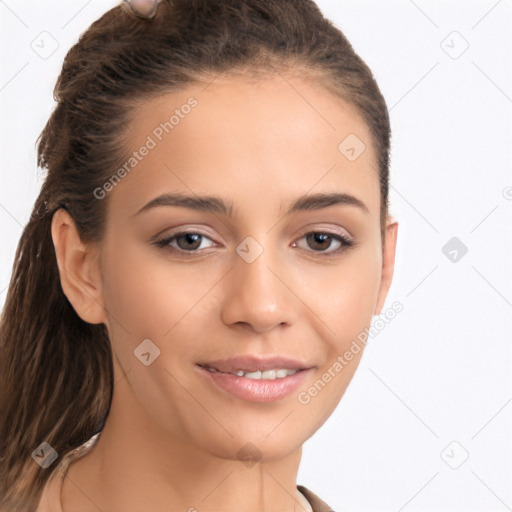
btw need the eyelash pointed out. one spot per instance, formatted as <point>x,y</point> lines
<point>346,243</point>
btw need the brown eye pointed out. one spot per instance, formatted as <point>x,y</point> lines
<point>185,242</point>
<point>319,241</point>
<point>188,241</point>
<point>327,243</point>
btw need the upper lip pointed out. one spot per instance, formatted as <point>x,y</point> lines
<point>251,363</point>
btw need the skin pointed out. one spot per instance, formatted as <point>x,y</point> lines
<point>171,440</point>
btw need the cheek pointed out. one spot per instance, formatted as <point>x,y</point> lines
<point>342,296</point>
<point>148,296</point>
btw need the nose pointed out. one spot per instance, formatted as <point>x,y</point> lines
<point>257,296</point>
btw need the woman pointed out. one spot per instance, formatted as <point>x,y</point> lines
<point>211,237</point>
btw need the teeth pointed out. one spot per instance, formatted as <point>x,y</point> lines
<point>253,375</point>
<point>277,373</point>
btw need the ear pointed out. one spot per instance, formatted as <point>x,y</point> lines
<point>79,270</point>
<point>388,264</point>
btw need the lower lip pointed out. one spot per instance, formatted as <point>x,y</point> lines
<point>256,390</point>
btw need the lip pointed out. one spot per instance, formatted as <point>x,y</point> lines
<point>255,390</point>
<point>250,363</point>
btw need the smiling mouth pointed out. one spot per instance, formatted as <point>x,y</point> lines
<point>271,374</point>
<point>256,378</point>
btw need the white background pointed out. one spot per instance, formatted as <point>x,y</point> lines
<point>441,370</point>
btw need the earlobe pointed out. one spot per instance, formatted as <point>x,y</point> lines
<point>79,270</point>
<point>388,265</point>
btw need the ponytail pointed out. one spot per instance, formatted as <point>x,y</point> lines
<point>55,370</point>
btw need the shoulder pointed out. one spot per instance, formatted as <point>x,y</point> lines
<point>316,503</point>
<point>50,496</point>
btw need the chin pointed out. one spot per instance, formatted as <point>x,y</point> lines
<point>252,445</point>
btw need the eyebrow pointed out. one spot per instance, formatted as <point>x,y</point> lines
<point>218,205</point>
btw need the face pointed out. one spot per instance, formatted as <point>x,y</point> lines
<point>274,262</point>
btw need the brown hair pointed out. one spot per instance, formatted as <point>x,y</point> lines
<point>56,375</point>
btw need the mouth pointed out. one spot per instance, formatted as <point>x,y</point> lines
<point>274,373</point>
<point>257,379</point>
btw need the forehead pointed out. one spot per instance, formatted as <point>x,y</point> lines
<point>282,135</point>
